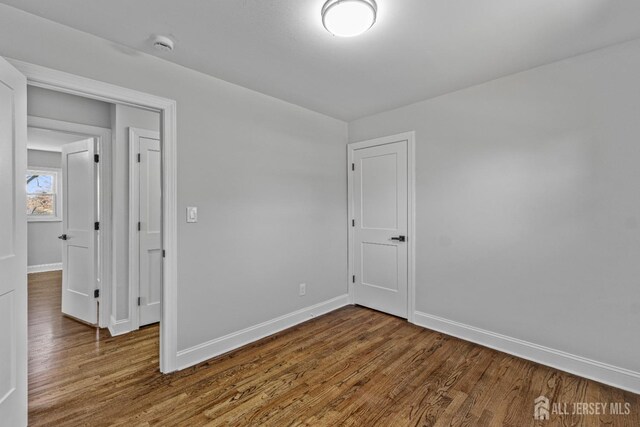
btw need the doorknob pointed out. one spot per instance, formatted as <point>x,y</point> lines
<point>63,237</point>
<point>399,238</point>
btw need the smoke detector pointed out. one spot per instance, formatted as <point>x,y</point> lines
<point>163,43</point>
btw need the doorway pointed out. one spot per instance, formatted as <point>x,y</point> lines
<point>14,76</point>
<point>81,213</point>
<point>381,224</point>
<point>38,76</point>
<point>67,83</point>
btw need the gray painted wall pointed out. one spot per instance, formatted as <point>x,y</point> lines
<point>122,118</point>
<point>69,108</point>
<point>43,245</point>
<point>528,207</point>
<point>267,176</point>
<point>45,159</point>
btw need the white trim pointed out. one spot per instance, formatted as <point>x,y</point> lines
<point>411,191</point>
<point>134,218</point>
<point>82,86</point>
<point>581,366</point>
<point>45,219</point>
<point>232,341</point>
<point>119,327</point>
<point>410,137</point>
<point>103,137</point>
<point>134,238</point>
<point>44,267</point>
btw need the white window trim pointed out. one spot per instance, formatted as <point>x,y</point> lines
<point>59,195</point>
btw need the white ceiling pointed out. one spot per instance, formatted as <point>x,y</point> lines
<point>49,140</point>
<point>418,49</point>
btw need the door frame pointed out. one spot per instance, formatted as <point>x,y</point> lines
<point>76,85</point>
<point>134,218</point>
<point>411,234</point>
<point>104,150</point>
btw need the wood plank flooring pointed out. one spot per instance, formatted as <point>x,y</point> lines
<point>352,367</point>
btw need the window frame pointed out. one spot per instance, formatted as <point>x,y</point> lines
<point>57,172</point>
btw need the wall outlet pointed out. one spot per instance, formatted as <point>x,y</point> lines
<point>303,289</point>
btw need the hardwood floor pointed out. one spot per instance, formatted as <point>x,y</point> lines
<point>352,367</point>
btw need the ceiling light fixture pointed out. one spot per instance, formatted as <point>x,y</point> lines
<point>348,18</point>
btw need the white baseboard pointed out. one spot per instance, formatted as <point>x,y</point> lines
<point>577,365</point>
<point>119,327</point>
<point>218,346</point>
<point>44,267</point>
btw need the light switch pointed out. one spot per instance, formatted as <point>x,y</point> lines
<point>192,214</point>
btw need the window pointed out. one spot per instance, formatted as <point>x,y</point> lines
<point>43,195</point>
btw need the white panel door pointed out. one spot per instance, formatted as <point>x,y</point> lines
<point>78,218</point>
<point>13,247</point>
<point>381,224</point>
<point>150,234</point>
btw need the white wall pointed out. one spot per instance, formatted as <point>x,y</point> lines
<point>528,204</point>
<point>43,245</point>
<point>267,176</point>
<point>69,108</point>
<point>123,117</point>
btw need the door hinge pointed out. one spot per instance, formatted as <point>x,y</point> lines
<point>353,279</point>
<point>96,226</point>
<point>139,226</point>
<point>138,157</point>
<point>139,300</point>
<point>164,253</point>
<point>353,166</point>
<point>96,158</point>
<point>96,293</point>
<point>353,222</point>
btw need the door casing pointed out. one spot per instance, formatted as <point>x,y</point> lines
<point>411,235</point>
<point>69,83</point>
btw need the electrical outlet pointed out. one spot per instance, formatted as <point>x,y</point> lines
<point>303,289</point>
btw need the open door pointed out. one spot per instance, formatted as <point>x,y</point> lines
<point>146,199</point>
<point>13,246</point>
<point>79,216</point>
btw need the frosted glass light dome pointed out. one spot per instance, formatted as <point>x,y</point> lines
<point>348,18</point>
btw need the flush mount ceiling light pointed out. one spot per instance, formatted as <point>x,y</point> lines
<point>348,18</point>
